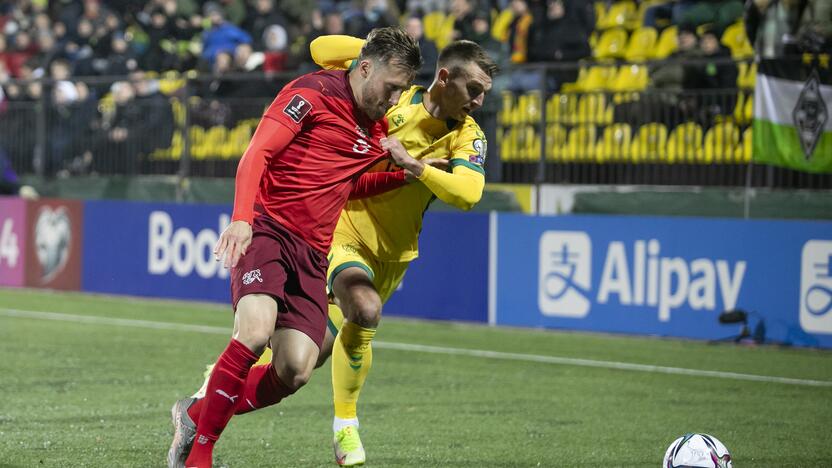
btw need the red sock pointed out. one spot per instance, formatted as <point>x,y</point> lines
<point>262,388</point>
<point>224,390</point>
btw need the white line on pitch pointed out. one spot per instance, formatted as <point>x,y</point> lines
<point>429,349</point>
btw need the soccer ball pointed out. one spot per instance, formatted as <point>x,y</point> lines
<point>697,450</point>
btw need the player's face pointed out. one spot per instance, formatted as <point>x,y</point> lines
<point>383,87</point>
<point>465,92</point>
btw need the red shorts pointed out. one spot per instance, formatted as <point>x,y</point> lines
<point>284,266</point>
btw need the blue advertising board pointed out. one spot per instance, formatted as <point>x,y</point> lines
<point>154,249</point>
<point>165,250</point>
<point>449,280</point>
<point>665,276</point>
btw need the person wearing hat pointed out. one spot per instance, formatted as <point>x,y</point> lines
<point>222,36</point>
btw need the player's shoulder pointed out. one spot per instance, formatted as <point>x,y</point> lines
<point>326,83</point>
<point>469,130</point>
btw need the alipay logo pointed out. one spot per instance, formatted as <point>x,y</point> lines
<point>816,287</point>
<point>565,275</point>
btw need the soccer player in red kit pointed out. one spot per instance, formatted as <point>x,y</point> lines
<point>313,143</point>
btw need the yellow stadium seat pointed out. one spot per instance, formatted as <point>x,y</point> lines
<point>555,142</point>
<point>574,87</point>
<point>720,143</point>
<point>505,113</point>
<point>747,146</point>
<point>615,144</point>
<point>631,77</point>
<point>592,108</point>
<point>562,108</point>
<point>739,109</point>
<point>650,143</point>
<point>597,79</point>
<point>667,44</point>
<point>505,139</point>
<point>600,11</point>
<point>747,76</point>
<point>529,105</point>
<point>580,144</point>
<point>641,45</point>
<point>432,24</point>
<point>618,15</point>
<point>735,39</point>
<point>748,110</point>
<point>527,144</point>
<point>685,143</point>
<point>611,44</point>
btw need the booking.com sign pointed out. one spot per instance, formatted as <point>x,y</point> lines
<point>816,287</point>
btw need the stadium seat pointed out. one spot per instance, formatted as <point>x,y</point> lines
<point>735,39</point>
<point>529,105</point>
<point>618,15</point>
<point>562,108</point>
<point>631,77</point>
<point>650,143</point>
<point>580,144</point>
<point>748,110</point>
<point>685,143</point>
<point>747,76</point>
<point>611,44</point>
<point>528,144</point>
<point>615,144</point>
<point>667,44</point>
<point>637,20</point>
<point>720,143</point>
<point>592,108</point>
<point>739,109</point>
<point>504,116</point>
<point>555,142</point>
<point>747,145</point>
<point>597,79</point>
<point>641,45</point>
<point>506,138</point>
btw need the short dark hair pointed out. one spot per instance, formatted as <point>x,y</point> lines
<point>467,51</point>
<point>392,45</point>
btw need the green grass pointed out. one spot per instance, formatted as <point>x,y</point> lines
<point>82,394</point>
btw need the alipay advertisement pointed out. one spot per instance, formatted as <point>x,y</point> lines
<point>666,276</point>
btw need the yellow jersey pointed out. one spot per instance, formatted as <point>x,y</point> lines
<point>388,225</point>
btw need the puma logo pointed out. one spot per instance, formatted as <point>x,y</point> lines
<point>232,398</point>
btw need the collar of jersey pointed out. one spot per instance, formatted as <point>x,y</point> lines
<point>419,98</point>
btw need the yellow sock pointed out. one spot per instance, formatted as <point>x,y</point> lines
<point>265,358</point>
<point>352,357</point>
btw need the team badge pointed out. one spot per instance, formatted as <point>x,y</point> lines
<point>398,119</point>
<point>297,108</point>
<point>481,147</point>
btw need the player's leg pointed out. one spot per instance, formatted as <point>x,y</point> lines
<point>253,325</point>
<point>334,323</point>
<point>352,357</point>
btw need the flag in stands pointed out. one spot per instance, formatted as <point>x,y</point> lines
<point>793,114</point>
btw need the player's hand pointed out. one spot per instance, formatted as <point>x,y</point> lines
<point>233,243</point>
<point>400,156</point>
<point>441,164</point>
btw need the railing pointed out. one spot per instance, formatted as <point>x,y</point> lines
<point>607,127</point>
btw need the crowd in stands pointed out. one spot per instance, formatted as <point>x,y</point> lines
<point>67,41</point>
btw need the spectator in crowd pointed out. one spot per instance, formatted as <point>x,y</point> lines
<point>375,14</point>
<point>222,36</point>
<point>265,14</point>
<point>482,36</point>
<point>117,148</point>
<point>121,60</point>
<point>783,27</point>
<point>719,13</point>
<point>463,13</point>
<point>275,41</point>
<point>561,36</point>
<point>10,183</point>
<point>23,49</point>
<point>161,51</point>
<point>414,28</point>
<point>717,73</point>
<point>158,125</point>
<point>518,36</point>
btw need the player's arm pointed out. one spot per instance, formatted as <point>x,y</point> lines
<point>462,187</point>
<point>335,52</point>
<point>269,139</point>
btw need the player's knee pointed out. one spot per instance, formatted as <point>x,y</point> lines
<point>254,339</point>
<point>366,311</point>
<point>294,376</point>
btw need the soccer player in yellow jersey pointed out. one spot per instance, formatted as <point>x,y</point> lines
<point>376,238</point>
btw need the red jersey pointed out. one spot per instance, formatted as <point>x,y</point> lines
<point>307,182</point>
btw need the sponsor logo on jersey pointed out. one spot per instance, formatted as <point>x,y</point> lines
<point>297,108</point>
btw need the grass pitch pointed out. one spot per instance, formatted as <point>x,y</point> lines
<point>97,392</point>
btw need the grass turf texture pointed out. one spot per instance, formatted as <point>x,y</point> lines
<point>81,394</point>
